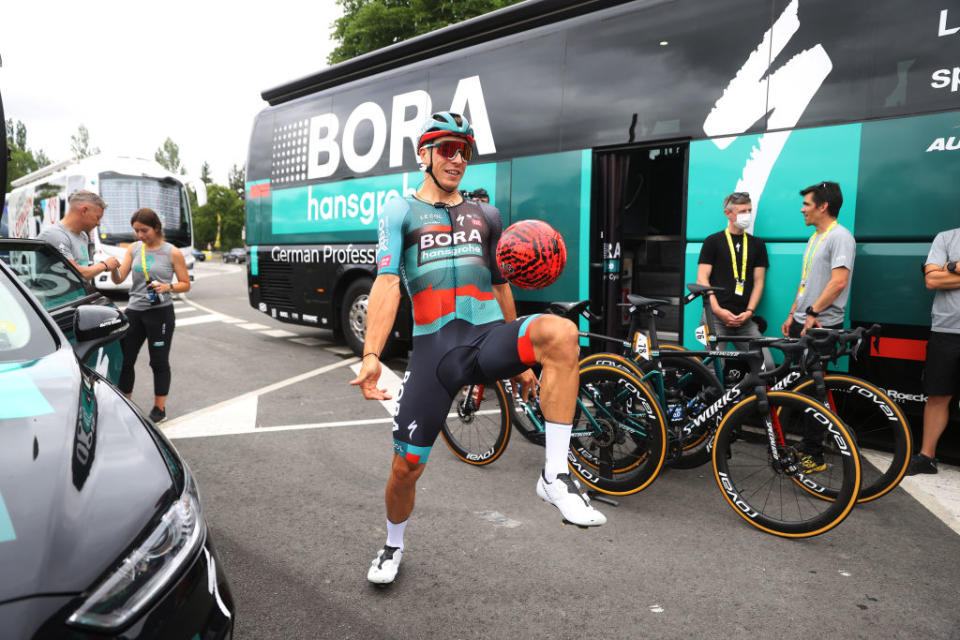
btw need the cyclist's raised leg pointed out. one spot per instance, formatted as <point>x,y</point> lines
<point>551,341</point>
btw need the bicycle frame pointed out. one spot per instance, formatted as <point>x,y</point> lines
<point>594,428</point>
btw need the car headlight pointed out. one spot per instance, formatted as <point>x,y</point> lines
<point>148,568</point>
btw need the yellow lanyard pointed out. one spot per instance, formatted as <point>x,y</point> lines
<point>808,257</point>
<point>741,278</point>
<point>143,262</point>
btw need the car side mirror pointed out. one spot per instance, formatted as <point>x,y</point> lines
<point>95,326</point>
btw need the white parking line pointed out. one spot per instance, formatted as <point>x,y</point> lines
<point>179,307</point>
<point>939,493</point>
<point>309,341</point>
<point>279,333</point>
<point>253,326</point>
<point>236,415</point>
<point>340,351</point>
<point>210,317</point>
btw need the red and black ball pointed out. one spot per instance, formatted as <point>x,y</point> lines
<point>531,254</point>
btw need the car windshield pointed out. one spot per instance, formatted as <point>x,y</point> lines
<point>23,334</point>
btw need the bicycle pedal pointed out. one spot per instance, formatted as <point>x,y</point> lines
<point>565,522</point>
<point>600,497</point>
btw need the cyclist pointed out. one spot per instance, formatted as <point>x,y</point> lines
<point>737,261</point>
<point>465,331</point>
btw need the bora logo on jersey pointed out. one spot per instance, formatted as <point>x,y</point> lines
<point>445,245</point>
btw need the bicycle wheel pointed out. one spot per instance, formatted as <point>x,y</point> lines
<point>477,429</point>
<point>775,495</point>
<point>879,426</point>
<point>619,437</point>
<point>689,388</point>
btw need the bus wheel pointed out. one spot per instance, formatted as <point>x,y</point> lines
<point>353,313</point>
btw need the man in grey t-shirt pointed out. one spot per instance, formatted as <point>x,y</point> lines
<point>71,236</point>
<point>827,267</point>
<point>941,373</point>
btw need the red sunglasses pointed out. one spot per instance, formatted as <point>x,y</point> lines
<point>450,148</point>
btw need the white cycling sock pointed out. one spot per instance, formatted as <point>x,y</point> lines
<point>395,534</point>
<point>558,443</point>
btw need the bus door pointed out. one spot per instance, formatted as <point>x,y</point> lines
<point>639,213</point>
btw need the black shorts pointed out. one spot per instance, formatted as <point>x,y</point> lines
<point>941,373</point>
<point>441,364</point>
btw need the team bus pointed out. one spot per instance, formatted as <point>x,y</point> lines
<point>39,199</point>
<point>624,125</point>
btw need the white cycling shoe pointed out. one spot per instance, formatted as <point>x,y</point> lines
<point>383,569</point>
<point>564,493</point>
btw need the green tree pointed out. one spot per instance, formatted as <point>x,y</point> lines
<point>80,144</point>
<point>168,155</point>
<point>22,159</point>
<point>237,180</point>
<point>224,209</point>
<point>368,25</point>
<point>205,173</point>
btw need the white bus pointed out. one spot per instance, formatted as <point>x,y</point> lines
<point>39,199</point>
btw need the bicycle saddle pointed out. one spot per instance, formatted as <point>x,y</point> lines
<point>569,310</point>
<point>645,303</point>
<point>700,289</point>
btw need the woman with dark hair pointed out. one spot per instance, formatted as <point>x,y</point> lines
<point>153,262</point>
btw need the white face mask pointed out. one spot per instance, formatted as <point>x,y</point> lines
<point>743,220</point>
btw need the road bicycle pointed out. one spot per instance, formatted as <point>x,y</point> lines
<point>613,409</point>
<point>685,385</point>
<point>754,435</point>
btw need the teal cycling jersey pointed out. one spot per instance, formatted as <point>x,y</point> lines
<point>446,257</point>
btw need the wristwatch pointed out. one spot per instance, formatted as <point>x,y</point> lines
<point>810,312</point>
<point>952,267</point>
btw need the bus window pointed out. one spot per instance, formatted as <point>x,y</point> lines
<point>126,194</point>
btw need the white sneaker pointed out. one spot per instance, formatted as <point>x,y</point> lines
<point>384,567</point>
<point>564,493</point>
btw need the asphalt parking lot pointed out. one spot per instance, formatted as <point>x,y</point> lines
<point>292,462</point>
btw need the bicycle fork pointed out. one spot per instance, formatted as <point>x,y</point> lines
<point>771,420</point>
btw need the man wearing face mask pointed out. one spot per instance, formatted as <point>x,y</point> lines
<point>737,261</point>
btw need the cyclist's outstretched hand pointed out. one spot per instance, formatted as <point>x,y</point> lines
<point>527,383</point>
<point>367,380</point>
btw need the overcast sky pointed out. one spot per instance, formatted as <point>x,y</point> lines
<point>135,73</point>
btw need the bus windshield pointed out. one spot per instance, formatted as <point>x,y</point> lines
<point>125,194</point>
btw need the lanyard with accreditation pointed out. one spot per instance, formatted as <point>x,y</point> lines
<point>151,294</point>
<point>808,256</point>
<point>739,276</point>
<point>143,262</point>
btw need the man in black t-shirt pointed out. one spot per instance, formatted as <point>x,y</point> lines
<point>737,261</point>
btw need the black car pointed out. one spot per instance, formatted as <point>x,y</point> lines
<point>101,524</point>
<point>237,254</point>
